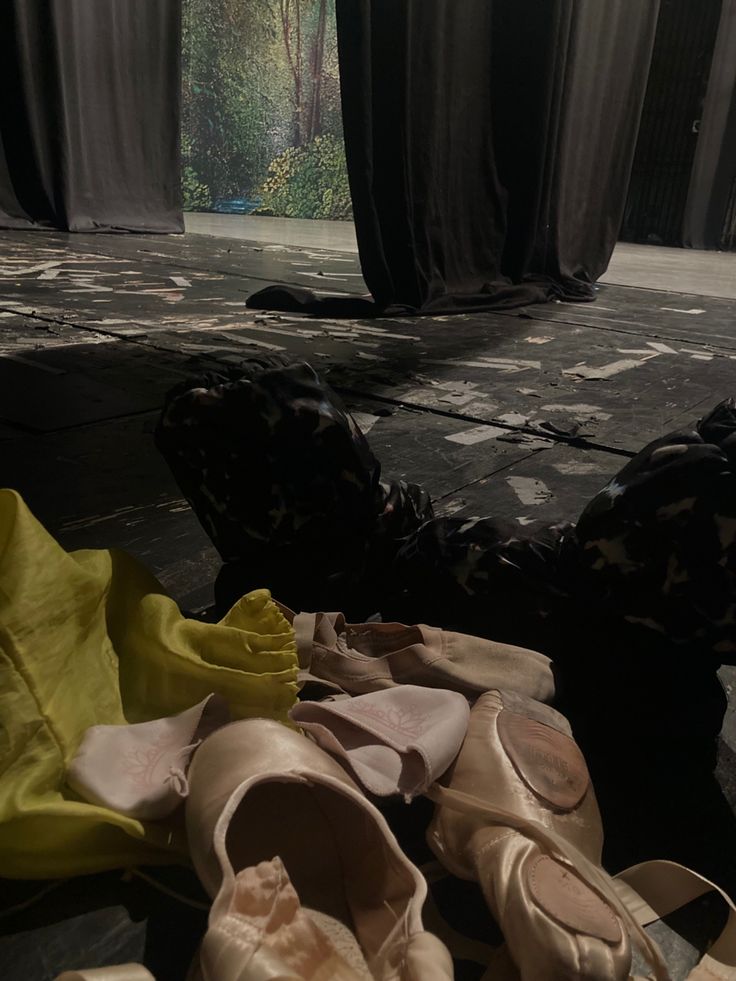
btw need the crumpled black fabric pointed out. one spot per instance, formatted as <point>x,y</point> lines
<point>289,491</point>
<point>653,553</point>
<point>487,576</point>
<point>285,484</point>
<point>499,295</point>
<point>658,543</point>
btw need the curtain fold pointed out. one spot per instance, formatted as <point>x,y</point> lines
<point>713,180</point>
<point>570,78</point>
<point>489,144</point>
<point>89,125</point>
<point>430,212</point>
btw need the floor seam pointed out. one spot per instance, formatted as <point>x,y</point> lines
<point>578,443</point>
<point>616,327</point>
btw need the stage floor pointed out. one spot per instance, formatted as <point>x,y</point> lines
<point>523,413</point>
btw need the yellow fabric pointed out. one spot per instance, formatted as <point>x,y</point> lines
<point>90,638</point>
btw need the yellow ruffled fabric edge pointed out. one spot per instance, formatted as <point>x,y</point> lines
<point>91,638</point>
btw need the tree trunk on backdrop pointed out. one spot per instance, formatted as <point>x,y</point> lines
<point>318,57</point>
<point>307,104</point>
<point>293,46</point>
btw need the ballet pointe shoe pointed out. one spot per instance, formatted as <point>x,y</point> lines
<point>517,813</point>
<point>366,657</point>
<point>259,930</point>
<point>262,793</point>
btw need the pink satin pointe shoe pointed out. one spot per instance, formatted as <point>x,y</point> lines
<point>366,657</point>
<point>269,814</point>
<point>261,927</point>
<point>517,813</point>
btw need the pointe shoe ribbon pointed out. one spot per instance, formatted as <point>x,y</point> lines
<point>396,741</point>
<point>561,855</point>
<point>140,770</point>
<point>652,890</point>
<point>365,657</point>
<point>517,812</point>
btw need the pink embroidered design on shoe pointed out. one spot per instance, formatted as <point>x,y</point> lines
<point>140,770</point>
<point>395,741</point>
<point>149,767</point>
<point>404,722</point>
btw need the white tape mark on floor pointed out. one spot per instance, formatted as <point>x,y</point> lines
<point>662,348</point>
<point>530,490</point>
<point>320,275</point>
<point>478,434</point>
<point>445,509</point>
<point>250,343</point>
<point>693,310</point>
<point>577,468</point>
<point>457,398</point>
<point>606,370</point>
<point>21,270</point>
<point>504,365</point>
<point>451,386</point>
<point>348,327</point>
<point>366,421</point>
<point>580,411</point>
<point>513,419</point>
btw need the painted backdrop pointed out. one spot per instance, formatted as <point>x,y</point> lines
<point>261,129</point>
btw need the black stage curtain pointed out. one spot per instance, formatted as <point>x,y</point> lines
<point>89,119</point>
<point>569,83</point>
<point>490,139</point>
<point>713,181</point>
<point>430,213</point>
<point>489,146</point>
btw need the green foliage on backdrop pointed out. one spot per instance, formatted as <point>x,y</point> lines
<point>308,182</point>
<point>261,109</point>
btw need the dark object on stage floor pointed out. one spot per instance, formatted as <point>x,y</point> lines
<point>285,484</point>
<point>496,577</point>
<point>658,544</point>
<point>480,173</point>
<point>654,551</point>
<point>89,120</point>
<point>288,489</point>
